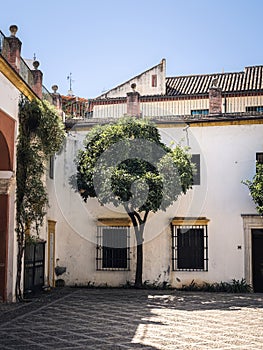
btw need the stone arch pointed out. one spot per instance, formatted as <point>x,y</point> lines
<point>5,162</point>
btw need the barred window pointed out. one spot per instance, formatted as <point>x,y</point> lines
<point>113,250</point>
<point>189,248</point>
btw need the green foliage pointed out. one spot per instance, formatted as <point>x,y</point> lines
<point>256,188</point>
<point>154,175</point>
<point>235,286</point>
<point>156,285</point>
<point>41,133</point>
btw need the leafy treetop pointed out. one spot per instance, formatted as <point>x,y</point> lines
<point>256,188</point>
<point>127,163</point>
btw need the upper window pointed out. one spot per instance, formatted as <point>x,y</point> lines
<point>196,177</point>
<point>51,167</point>
<point>254,109</point>
<point>113,251</point>
<point>199,112</point>
<point>189,247</point>
<point>259,157</point>
<point>154,80</point>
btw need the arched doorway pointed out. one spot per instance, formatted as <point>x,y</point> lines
<point>5,163</point>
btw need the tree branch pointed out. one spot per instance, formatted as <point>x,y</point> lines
<point>145,216</point>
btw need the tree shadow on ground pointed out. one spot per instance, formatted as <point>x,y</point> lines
<point>82,318</point>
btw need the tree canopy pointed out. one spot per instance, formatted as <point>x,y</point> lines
<point>127,163</point>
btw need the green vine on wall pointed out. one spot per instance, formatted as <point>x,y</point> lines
<point>256,188</point>
<point>41,134</point>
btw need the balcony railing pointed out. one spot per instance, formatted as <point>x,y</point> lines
<point>1,41</point>
<point>46,95</point>
<point>25,73</point>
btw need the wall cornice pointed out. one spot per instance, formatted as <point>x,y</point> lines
<point>15,79</point>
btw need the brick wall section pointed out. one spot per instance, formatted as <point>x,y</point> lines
<point>12,50</point>
<point>133,104</point>
<point>38,77</point>
<point>215,100</point>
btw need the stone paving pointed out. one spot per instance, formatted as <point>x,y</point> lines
<point>114,319</point>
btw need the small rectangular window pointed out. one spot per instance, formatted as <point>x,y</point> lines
<point>189,249</point>
<point>199,111</point>
<point>196,161</point>
<point>259,157</point>
<point>113,251</point>
<point>51,167</point>
<point>254,109</point>
<point>154,80</point>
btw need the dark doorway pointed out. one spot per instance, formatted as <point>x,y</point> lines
<point>34,266</point>
<point>3,243</point>
<point>5,158</point>
<point>257,260</point>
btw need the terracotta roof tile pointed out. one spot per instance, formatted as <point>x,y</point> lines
<point>251,79</point>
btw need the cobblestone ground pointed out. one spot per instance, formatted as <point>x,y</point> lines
<point>133,319</point>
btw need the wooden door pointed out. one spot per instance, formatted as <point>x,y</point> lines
<point>257,260</point>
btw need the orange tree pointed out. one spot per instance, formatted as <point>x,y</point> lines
<point>256,188</point>
<point>128,165</point>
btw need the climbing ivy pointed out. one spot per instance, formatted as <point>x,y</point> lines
<point>41,134</point>
<point>256,188</point>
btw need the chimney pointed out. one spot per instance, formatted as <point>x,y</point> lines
<point>133,102</point>
<point>57,100</point>
<point>215,98</point>
<point>37,79</point>
<point>12,48</point>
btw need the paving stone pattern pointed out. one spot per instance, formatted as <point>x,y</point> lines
<point>114,319</point>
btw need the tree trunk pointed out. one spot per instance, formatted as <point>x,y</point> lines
<point>138,224</point>
<point>138,276</point>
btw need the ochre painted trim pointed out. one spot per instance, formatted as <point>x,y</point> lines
<point>227,122</point>
<point>189,221</point>
<point>15,79</point>
<point>114,222</point>
<point>51,230</point>
<point>179,124</point>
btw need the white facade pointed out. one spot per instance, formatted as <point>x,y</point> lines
<point>152,107</point>
<point>227,153</point>
<point>9,98</point>
<point>150,82</point>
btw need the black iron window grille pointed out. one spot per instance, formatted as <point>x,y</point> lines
<point>113,248</point>
<point>189,248</point>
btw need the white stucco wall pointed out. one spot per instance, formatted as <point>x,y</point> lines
<point>9,97</point>
<point>180,107</point>
<point>227,158</point>
<point>143,83</point>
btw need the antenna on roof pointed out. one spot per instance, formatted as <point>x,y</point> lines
<point>69,77</point>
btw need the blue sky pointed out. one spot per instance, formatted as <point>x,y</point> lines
<point>106,42</point>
